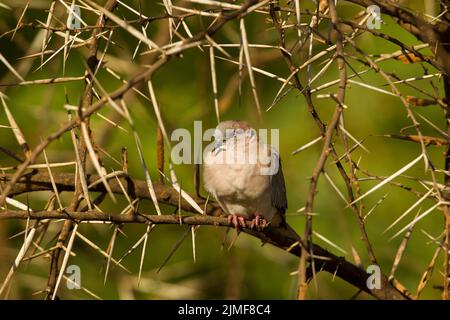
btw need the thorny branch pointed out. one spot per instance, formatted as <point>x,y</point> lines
<point>283,238</point>
<point>82,155</point>
<point>432,32</point>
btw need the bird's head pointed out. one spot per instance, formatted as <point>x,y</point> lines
<point>226,130</point>
<point>232,131</point>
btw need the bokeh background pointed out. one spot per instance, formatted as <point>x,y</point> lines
<point>183,88</point>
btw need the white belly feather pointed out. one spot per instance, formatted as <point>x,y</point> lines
<point>239,188</point>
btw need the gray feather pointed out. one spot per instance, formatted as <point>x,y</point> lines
<point>278,187</point>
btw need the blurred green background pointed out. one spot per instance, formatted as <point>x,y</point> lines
<point>184,92</point>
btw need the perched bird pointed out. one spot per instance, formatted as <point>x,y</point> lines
<point>245,176</point>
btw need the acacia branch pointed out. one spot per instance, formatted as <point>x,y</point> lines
<point>435,34</point>
<point>326,132</point>
<point>122,90</point>
<point>318,169</point>
<point>283,238</point>
<point>66,230</point>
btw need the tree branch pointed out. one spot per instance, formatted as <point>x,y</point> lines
<point>284,238</point>
<point>66,230</point>
<point>120,92</point>
<point>436,34</point>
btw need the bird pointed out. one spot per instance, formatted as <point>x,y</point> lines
<point>245,176</point>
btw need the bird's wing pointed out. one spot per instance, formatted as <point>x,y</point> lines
<point>278,187</point>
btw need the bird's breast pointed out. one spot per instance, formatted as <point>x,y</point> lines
<point>239,180</point>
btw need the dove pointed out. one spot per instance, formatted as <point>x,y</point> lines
<point>245,177</point>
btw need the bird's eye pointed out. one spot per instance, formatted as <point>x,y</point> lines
<point>230,133</point>
<point>251,133</point>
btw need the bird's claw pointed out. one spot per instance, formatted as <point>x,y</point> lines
<point>258,223</point>
<point>237,221</point>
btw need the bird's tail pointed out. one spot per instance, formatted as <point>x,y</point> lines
<point>291,232</point>
<point>279,220</point>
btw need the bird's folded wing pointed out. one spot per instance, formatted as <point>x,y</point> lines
<point>278,187</point>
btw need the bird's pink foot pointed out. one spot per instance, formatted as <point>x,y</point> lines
<point>258,222</point>
<point>237,221</point>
